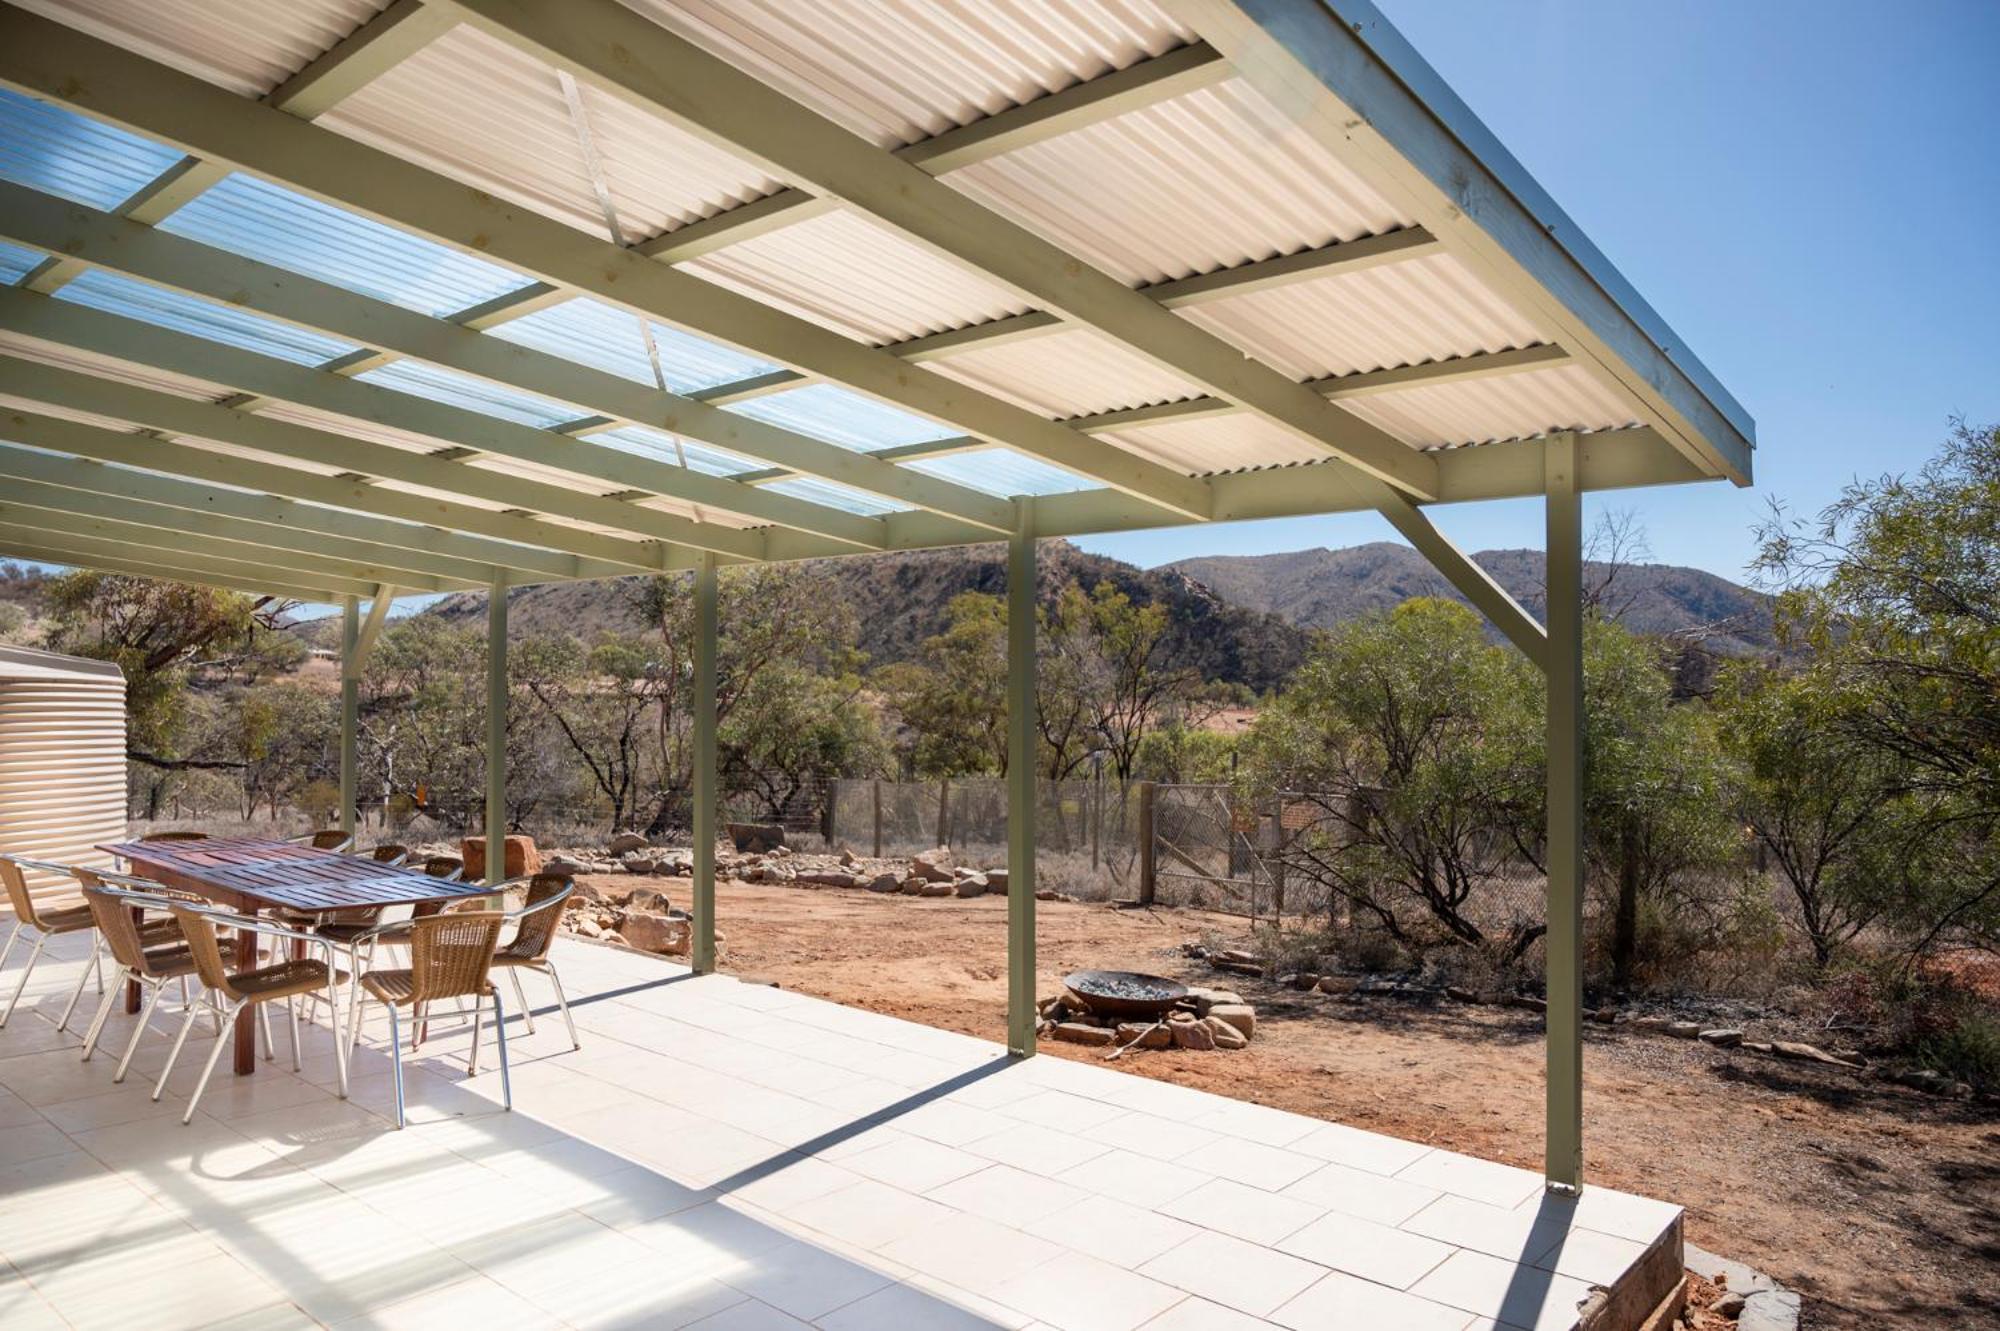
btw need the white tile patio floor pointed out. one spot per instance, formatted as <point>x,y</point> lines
<point>722,1155</point>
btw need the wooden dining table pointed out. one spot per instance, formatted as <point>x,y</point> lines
<point>250,874</point>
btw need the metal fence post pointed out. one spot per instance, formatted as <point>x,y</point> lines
<point>944,811</point>
<point>1147,799</point>
<point>878,817</point>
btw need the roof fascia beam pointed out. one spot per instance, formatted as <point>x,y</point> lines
<point>155,562</point>
<point>415,571</point>
<point>26,545</point>
<point>628,56</point>
<point>58,63</point>
<point>173,261</point>
<point>285,515</point>
<point>1342,73</point>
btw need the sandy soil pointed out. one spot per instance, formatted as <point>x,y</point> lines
<point>1880,1204</point>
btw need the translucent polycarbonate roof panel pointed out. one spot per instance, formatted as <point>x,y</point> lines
<point>900,70</point>
<point>107,367</point>
<point>116,294</point>
<point>648,442</point>
<point>59,152</point>
<point>1217,443</point>
<point>1004,472</point>
<point>17,261</point>
<point>1207,180</point>
<point>247,46</point>
<point>484,113</point>
<point>1509,406</point>
<point>860,279</point>
<point>462,390</point>
<point>278,226</point>
<point>1065,372</point>
<point>833,495</point>
<point>607,338</point>
<point>838,416</point>
<point>1404,313</point>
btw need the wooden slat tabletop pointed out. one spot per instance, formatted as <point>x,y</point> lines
<point>283,874</point>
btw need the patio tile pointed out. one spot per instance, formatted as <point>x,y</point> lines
<point>906,1308</point>
<point>805,1280</point>
<point>1192,1314</point>
<point>478,1301</point>
<point>1246,1212</point>
<point>1151,1134</point>
<point>1076,1292</point>
<point>1257,1123</point>
<point>1063,1111</point>
<point>750,1315</point>
<point>1341,1300</point>
<point>915,1164</point>
<point>1520,1297</point>
<point>787,1180</point>
<point>1356,1192</point>
<point>590,1276</point>
<point>1236,1274</point>
<point>1588,1255</point>
<point>971,1252</point>
<point>1611,1212</point>
<point>1363,1248</point>
<point>1008,1195</point>
<point>32,1141</point>
<point>1260,1166</point>
<point>950,1122</point>
<point>1135,1178</point>
<point>1358,1148</point>
<point>1115,1231</point>
<point>1519,1236</point>
<point>1467,1176</point>
<point>1037,1149</point>
<point>868,1214</point>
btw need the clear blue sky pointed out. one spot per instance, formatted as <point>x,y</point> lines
<point>1808,191</point>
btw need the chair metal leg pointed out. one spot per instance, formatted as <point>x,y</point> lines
<point>97,1022</point>
<point>153,992</point>
<point>563,1002</point>
<point>76,993</point>
<point>339,1036</point>
<point>8,951</point>
<point>521,997</point>
<point>173,1055</point>
<point>396,1053</point>
<point>472,1064</point>
<point>41,941</point>
<point>264,1024</point>
<point>500,1030</point>
<point>298,1058</point>
<point>222,1041</point>
<point>97,958</point>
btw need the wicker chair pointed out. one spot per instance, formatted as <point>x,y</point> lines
<point>113,910</point>
<point>327,838</point>
<point>231,991</point>
<point>175,836</point>
<point>451,956</point>
<point>50,922</point>
<point>533,938</point>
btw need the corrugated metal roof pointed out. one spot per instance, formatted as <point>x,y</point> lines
<point>838,416</point>
<point>107,367</point>
<point>834,495</point>
<point>1002,471</point>
<point>17,261</point>
<point>608,338</point>
<point>481,112</point>
<point>275,225</point>
<point>60,152</point>
<point>116,294</point>
<point>247,46</point>
<point>847,273</point>
<point>462,390</point>
<point>901,70</point>
<point>1216,443</point>
<point>1207,180</point>
<point>657,444</point>
<point>1511,406</point>
<point>374,433</point>
<point>1395,314</point>
<point>1072,372</point>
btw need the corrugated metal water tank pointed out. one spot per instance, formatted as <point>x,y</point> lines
<point>62,759</point>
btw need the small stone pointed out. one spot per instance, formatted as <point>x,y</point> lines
<point>1722,1038</point>
<point>648,899</point>
<point>913,886</point>
<point>656,933</point>
<point>1769,1310</point>
<point>1729,1305</point>
<point>1192,1035</point>
<point>848,859</point>
<point>638,862</point>
<point>1649,1023</point>
<point>1048,894</point>
<point>1338,984</point>
<point>1684,1030</point>
<point>756,838</point>
<point>1145,1034</point>
<point>973,885</point>
<point>996,881</point>
<point>1239,1015</point>
<point>626,842</point>
<point>937,890</point>
<point>885,882</point>
<point>587,927</point>
<point>1226,1035</point>
<point>831,878</point>
<point>1808,1053</point>
<point>1076,1032</point>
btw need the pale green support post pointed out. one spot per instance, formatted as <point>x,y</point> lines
<point>1564,1167</point>
<point>1021,1014</point>
<point>350,708</point>
<point>705,629</point>
<point>496,730</point>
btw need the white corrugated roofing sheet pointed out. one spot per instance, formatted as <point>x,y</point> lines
<point>1066,372</point>
<point>247,46</point>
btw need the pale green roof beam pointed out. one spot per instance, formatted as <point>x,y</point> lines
<point>117,557</point>
<point>97,78</point>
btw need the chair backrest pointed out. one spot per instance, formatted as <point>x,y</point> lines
<point>444,866</point>
<point>198,927</point>
<point>540,915</point>
<point>175,836</point>
<point>389,853</point>
<point>450,953</point>
<point>330,838</point>
<point>17,891</point>
<point>117,922</point>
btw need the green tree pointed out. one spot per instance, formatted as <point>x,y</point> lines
<point>795,731</point>
<point>953,703</point>
<point>602,701</point>
<point>288,737</point>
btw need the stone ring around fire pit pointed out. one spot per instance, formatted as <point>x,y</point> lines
<point>1125,993</point>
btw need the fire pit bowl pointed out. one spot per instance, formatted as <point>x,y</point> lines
<point>1125,993</point>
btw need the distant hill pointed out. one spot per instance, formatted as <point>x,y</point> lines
<point>901,601</point>
<point>1321,588</point>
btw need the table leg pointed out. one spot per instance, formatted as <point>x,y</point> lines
<point>246,1020</point>
<point>132,986</point>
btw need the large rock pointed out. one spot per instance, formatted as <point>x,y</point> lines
<point>1076,1032</point>
<point>756,838</point>
<point>933,864</point>
<point>1145,1034</point>
<point>972,885</point>
<point>650,900</point>
<point>650,932</point>
<point>996,881</point>
<point>1192,1035</point>
<point>830,878</point>
<point>1226,1035</point>
<point>937,890</point>
<point>518,857</point>
<point>885,882</point>
<point>626,842</point>
<point>639,862</point>
<point>1239,1015</point>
